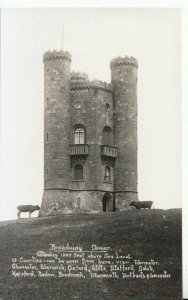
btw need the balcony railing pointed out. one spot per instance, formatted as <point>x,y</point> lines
<point>79,149</point>
<point>109,151</point>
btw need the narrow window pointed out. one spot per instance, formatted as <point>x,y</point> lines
<point>78,172</point>
<point>47,174</point>
<point>47,101</point>
<point>107,175</point>
<point>107,136</point>
<point>107,106</point>
<point>79,135</point>
<point>47,137</point>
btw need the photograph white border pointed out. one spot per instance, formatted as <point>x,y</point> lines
<point>157,3</point>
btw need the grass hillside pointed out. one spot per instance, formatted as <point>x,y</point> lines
<point>145,234</point>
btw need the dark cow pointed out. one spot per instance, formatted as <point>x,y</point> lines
<point>27,208</point>
<point>141,204</point>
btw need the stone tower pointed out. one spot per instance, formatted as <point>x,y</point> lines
<point>56,124</point>
<point>90,137</point>
<point>124,81</point>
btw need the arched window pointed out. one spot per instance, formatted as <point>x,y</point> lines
<point>107,174</point>
<point>107,106</point>
<point>107,136</point>
<point>78,172</point>
<point>79,135</point>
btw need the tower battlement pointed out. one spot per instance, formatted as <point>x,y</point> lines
<point>94,84</point>
<point>79,76</point>
<point>56,55</point>
<point>126,60</point>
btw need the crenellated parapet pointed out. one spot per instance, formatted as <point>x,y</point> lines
<point>79,76</point>
<point>56,55</point>
<point>88,85</point>
<point>126,60</point>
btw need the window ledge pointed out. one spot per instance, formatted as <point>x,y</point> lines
<point>78,180</point>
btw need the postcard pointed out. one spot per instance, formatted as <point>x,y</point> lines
<point>91,135</point>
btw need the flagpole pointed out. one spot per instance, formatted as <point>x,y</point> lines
<point>62,37</point>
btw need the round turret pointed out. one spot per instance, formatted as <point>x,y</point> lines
<point>56,125</point>
<point>124,81</point>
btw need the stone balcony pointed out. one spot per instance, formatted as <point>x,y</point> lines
<point>109,151</point>
<point>82,149</point>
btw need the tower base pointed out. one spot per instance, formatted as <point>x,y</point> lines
<point>59,201</point>
<point>123,199</point>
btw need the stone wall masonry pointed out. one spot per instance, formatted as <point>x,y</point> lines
<point>78,76</point>
<point>123,199</point>
<point>92,115</point>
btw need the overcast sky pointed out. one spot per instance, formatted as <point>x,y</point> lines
<point>93,37</point>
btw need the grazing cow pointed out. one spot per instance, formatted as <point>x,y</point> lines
<point>141,204</point>
<point>27,208</point>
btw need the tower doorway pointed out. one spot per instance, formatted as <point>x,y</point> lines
<point>107,203</point>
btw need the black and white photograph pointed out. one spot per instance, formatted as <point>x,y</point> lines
<point>91,153</point>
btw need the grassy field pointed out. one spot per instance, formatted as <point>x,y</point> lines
<point>154,234</point>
